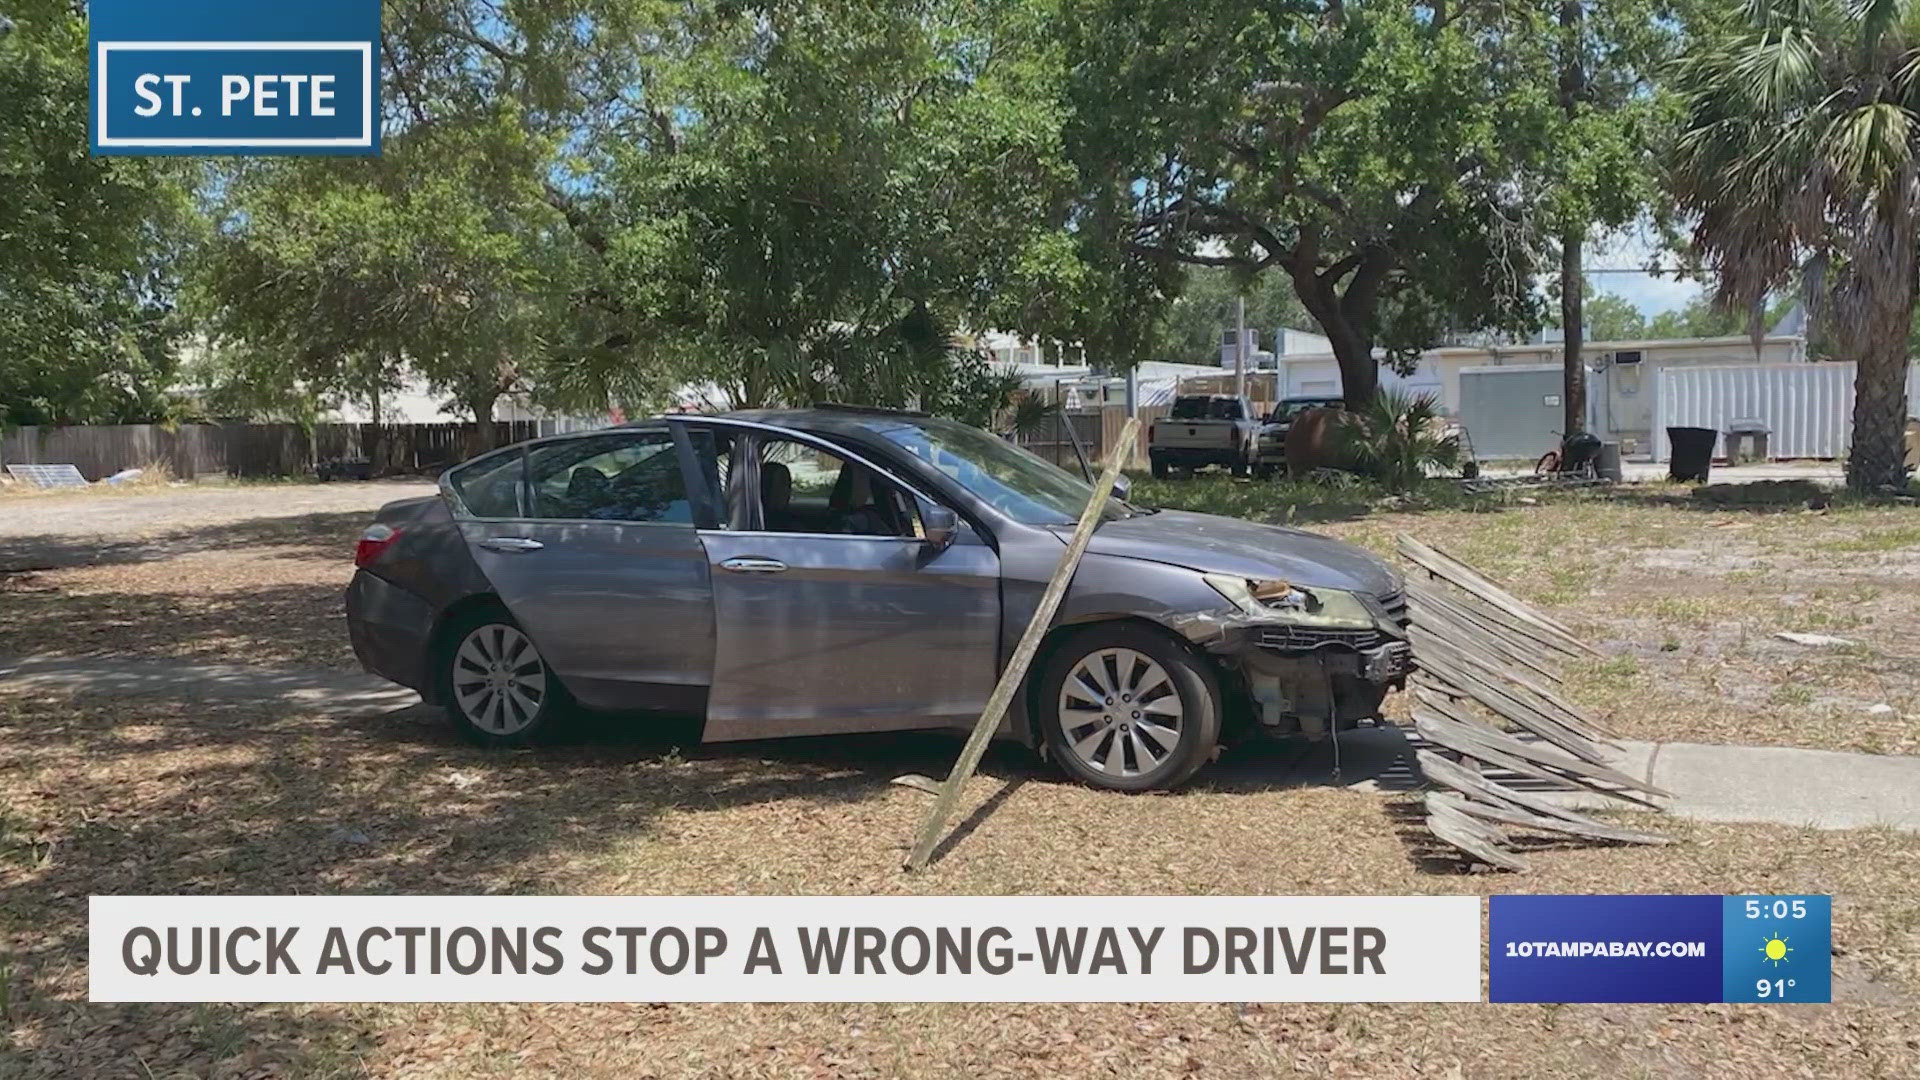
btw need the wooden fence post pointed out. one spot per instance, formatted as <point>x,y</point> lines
<point>1022,658</point>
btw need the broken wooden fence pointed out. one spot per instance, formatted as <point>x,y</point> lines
<point>1488,664</point>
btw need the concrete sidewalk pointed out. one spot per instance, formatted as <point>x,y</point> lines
<point>1772,784</point>
<point>318,688</point>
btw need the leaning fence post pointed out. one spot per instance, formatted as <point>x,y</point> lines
<point>1022,659</point>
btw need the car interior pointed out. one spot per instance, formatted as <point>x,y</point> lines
<point>619,480</point>
<point>804,490</point>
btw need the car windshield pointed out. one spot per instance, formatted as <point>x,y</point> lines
<point>1012,480</point>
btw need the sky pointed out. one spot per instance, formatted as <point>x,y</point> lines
<point>1637,246</point>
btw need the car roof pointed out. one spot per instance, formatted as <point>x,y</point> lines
<point>851,420</point>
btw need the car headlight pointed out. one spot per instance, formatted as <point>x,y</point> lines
<point>1283,600</point>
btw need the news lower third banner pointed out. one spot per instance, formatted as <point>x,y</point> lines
<point>235,77</point>
<point>1773,949</point>
<point>784,948</point>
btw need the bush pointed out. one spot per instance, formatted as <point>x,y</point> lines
<point>1399,439</point>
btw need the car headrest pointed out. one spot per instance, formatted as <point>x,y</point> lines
<point>776,486</point>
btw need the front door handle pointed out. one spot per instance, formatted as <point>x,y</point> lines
<point>511,545</point>
<point>754,566</point>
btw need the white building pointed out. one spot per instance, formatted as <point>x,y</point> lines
<point>1621,376</point>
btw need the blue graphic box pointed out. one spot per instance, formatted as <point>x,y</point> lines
<point>1659,948</point>
<point>235,77</point>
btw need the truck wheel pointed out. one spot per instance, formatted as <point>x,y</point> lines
<point>1160,469</point>
<point>1240,467</point>
<point>1128,708</point>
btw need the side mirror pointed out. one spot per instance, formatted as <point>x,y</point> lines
<point>1122,487</point>
<point>940,525</point>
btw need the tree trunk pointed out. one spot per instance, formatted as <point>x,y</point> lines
<point>1573,277</point>
<point>1352,345</point>
<point>1872,314</point>
<point>375,466</point>
<point>1573,396</point>
<point>1878,455</point>
<point>483,437</point>
<point>1359,369</point>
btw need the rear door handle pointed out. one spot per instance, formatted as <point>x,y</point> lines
<point>754,566</point>
<point>511,545</point>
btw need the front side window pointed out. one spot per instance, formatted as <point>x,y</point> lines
<point>631,476</point>
<point>804,489</point>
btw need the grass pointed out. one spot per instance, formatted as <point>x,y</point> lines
<point>1690,593</point>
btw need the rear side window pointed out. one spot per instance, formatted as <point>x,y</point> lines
<point>489,487</point>
<point>1205,408</point>
<point>619,476</point>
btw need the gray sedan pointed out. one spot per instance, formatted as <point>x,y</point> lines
<point>838,570</point>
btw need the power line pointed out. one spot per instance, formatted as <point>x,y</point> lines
<point>1676,270</point>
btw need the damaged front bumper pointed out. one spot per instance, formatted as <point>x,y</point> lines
<point>1304,679</point>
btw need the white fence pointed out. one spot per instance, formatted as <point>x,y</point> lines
<point>1809,407</point>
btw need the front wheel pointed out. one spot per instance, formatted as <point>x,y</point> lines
<point>1128,708</point>
<point>496,687</point>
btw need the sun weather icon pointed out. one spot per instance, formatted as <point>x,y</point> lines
<point>1775,948</point>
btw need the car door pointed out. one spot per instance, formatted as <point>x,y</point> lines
<point>600,562</point>
<point>831,612</point>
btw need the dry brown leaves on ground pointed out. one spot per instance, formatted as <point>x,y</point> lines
<point>159,796</point>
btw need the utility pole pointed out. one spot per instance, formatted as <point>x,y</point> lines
<point>1240,348</point>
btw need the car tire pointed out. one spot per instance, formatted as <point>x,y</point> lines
<point>1160,469</point>
<point>495,686</point>
<point>1095,731</point>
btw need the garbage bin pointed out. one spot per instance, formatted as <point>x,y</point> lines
<point>1690,453</point>
<point>1608,463</point>
<point>1747,441</point>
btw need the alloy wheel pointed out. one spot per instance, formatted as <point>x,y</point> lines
<point>1120,712</point>
<point>499,680</point>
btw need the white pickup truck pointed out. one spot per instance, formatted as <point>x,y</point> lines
<point>1202,430</point>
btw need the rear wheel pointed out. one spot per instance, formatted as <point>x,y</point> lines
<point>494,684</point>
<point>1160,469</point>
<point>1128,708</point>
<point>1548,464</point>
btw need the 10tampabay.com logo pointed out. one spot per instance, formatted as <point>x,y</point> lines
<point>235,77</point>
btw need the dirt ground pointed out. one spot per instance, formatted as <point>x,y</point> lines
<point>248,573</point>
<point>155,795</point>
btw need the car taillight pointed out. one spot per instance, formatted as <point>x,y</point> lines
<point>374,543</point>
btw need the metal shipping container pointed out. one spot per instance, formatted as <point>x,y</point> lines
<point>1809,407</point>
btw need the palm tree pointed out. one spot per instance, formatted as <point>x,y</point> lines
<point>1802,119</point>
<point>1398,438</point>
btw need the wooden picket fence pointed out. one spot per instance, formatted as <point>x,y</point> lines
<point>191,451</point>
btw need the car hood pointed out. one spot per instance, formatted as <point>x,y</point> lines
<point>1221,545</point>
